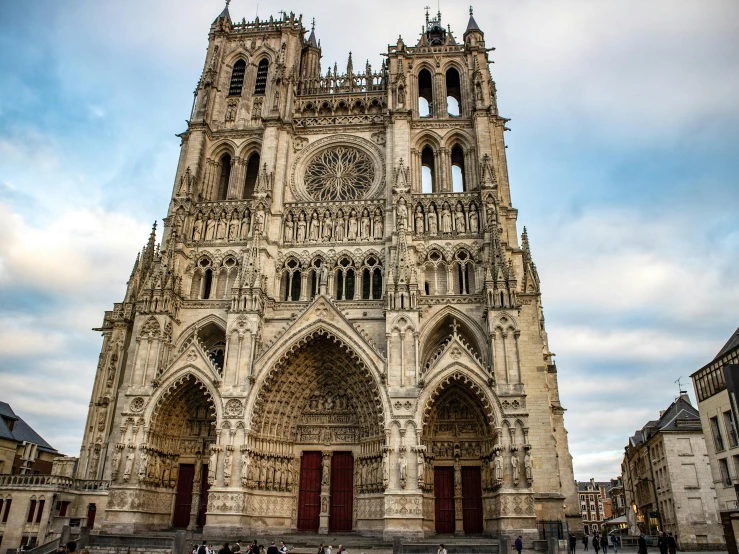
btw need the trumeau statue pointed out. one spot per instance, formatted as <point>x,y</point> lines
<point>301,261</point>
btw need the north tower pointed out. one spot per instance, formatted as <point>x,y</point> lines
<point>340,330</point>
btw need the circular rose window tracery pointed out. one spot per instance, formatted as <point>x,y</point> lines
<point>341,173</point>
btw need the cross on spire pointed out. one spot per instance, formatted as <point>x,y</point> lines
<point>427,8</point>
<point>313,24</point>
<point>454,325</point>
<point>470,11</point>
<point>227,3</point>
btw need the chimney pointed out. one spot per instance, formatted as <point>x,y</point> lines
<point>685,398</point>
<point>661,413</point>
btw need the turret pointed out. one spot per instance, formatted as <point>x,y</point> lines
<point>473,36</point>
<point>310,60</point>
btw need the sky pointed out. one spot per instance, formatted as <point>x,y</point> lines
<point>623,160</point>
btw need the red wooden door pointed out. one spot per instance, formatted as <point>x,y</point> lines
<point>91,510</point>
<point>203,501</point>
<point>183,500</point>
<point>342,492</point>
<point>444,491</point>
<point>309,496</point>
<point>471,500</point>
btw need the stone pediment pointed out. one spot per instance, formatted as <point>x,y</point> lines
<point>193,355</point>
<point>454,353</point>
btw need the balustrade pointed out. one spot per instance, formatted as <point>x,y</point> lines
<point>52,481</point>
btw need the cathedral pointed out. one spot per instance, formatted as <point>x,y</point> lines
<point>340,329</point>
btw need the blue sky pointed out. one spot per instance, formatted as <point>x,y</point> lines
<point>623,159</point>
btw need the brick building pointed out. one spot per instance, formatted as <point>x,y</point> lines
<point>595,504</point>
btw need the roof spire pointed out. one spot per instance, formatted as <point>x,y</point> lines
<point>472,24</point>
<point>312,38</point>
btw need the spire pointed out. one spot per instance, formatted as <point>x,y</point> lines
<point>224,15</point>
<point>472,24</point>
<point>312,38</point>
<point>350,65</point>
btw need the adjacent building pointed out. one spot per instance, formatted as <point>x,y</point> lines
<point>667,478</point>
<point>716,386</point>
<point>22,450</point>
<point>595,504</point>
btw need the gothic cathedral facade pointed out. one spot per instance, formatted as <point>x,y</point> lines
<point>340,329</point>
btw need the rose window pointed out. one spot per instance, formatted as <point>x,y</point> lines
<point>341,173</point>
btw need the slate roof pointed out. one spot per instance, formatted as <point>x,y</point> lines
<point>21,430</point>
<point>472,25</point>
<point>582,486</point>
<point>730,345</point>
<point>681,415</point>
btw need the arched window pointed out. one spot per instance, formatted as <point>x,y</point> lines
<point>428,172</point>
<point>291,281</point>
<point>435,270</point>
<point>425,94</point>
<point>225,177</point>
<point>453,93</point>
<point>371,280</point>
<point>345,280</point>
<point>458,180</point>
<point>237,78</point>
<point>465,277</point>
<point>252,172</point>
<point>315,277</point>
<point>261,83</point>
<point>207,283</point>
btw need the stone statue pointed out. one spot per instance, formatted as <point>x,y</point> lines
<point>459,219</point>
<point>143,465</point>
<point>244,233</point>
<point>301,228</point>
<point>324,274</point>
<point>433,221</point>
<point>457,475</point>
<point>115,463</point>
<point>325,479</point>
<point>259,220</point>
<point>244,468</point>
<point>378,224</point>
<point>402,212</point>
<point>128,468</point>
<point>327,224</point>
<point>210,229</point>
<point>353,225</point>
<point>315,225</point>
<point>340,227</point>
<point>401,95</point>
<point>385,470</point>
<point>324,505</point>
<point>403,468</point>
<point>197,229</point>
<point>514,465</point>
<point>364,227</point>
<point>278,476</point>
<point>221,233</point>
<point>212,466</point>
<point>528,466</point>
<point>289,229</point>
<point>446,219</point>
<point>421,465</point>
<point>227,462</point>
<point>474,223</point>
<point>233,229</point>
<point>419,220</point>
<point>498,461</point>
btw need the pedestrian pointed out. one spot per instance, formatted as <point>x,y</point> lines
<point>341,550</point>
<point>254,548</point>
<point>604,543</point>
<point>662,542</point>
<point>614,544</point>
<point>272,549</point>
<point>329,549</point>
<point>642,545</point>
<point>236,548</point>
<point>225,549</point>
<point>71,547</point>
<point>573,543</point>
<point>441,550</point>
<point>518,544</point>
<point>283,548</point>
<point>585,541</point>
<point>596,544</point>
<point>671,544</point>
<point>321,549</point>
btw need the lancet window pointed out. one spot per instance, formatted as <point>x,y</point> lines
<point>237,78</point>
<point>225,176</point>
<point>291,281</point>
<point>435,270</point>
<point>371,279</point>
<point>345,276</point>
<point>428,171</point>
<point>453,93</point>
<point>459,181</point>
<point>252,173</point>
<point>315,277</point>
<point>425,94</point>
<point>260,86</point>
<point>465,273</point>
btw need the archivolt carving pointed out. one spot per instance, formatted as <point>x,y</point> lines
<point>459,378</point>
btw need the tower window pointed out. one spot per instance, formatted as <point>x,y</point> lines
<point>428,177</point>
<point>425,94</point>
<point>207,283</point>
<point>225,177</point>
<point>261,83</point>
<point>453,93</point>
<point>458,180</point>
<point>252,172</point>
<point>237,78</point>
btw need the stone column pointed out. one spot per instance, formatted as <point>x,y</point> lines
<point>458,509</point>
<point>402,359</point>
<point>196,488</point>
<point>517,334</point>
<point>325,492</point>
<point>505,358</point>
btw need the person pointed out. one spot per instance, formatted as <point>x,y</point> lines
<point>283,548</point>
<point>225,549</point>
<point>341,550</point>
<point>642,545</point>
<point>441,550</point>
<point>236,548</point>
<point>662,542</point>
<point>573,543</point>
<point>604,543</point>
<point>614,544</point>
<point>596,543</point>
<point>71,547</point>
<point>254,548</point>
<point>671,544</point>
<point>272,549</point>
<point>321,549</point>
<point>329,549</point>
<point>84,551</point>
<point>518,543</point>
<point>585,541</point>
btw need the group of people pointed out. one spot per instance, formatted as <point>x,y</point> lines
<point>665,542</point>
<point>255,548</point>
<point>598,542</point>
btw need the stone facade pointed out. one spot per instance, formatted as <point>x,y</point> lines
<point>666,473</point>
<point>715,384</point>
<point>595,504</point>
<point>325,339</point>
